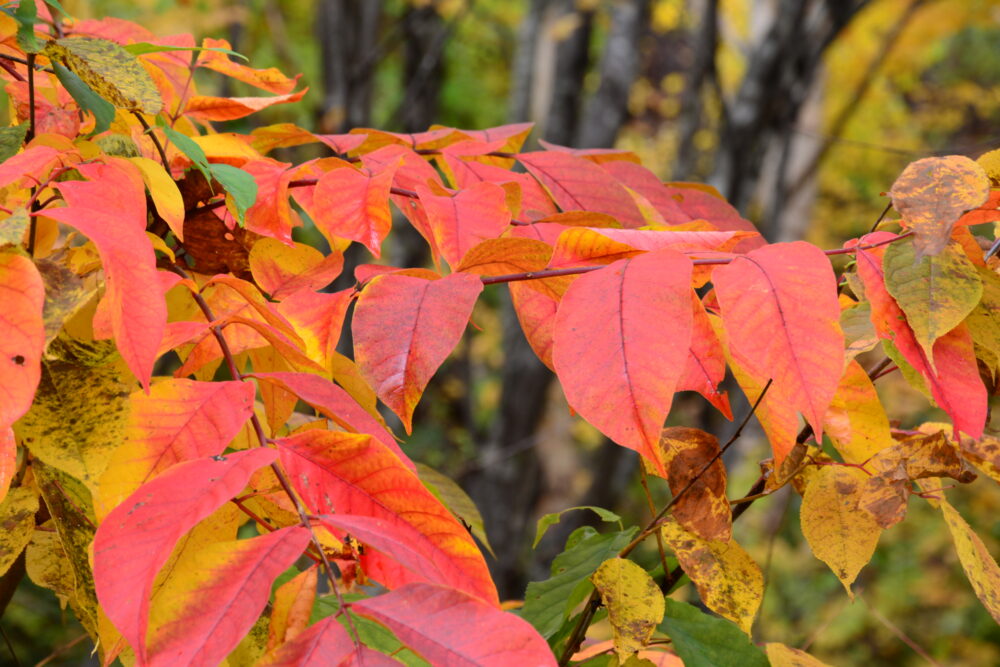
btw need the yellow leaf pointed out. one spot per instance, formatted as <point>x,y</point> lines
<point>728,580</point>
<point>293,602</point>
<point>163,189</point>
<point>80,410</point>
<point>228,147</point>
<point>48,566</point>
<point>780,655</point>
<point>979,566</point>
<point>17,522</point>
<point>113,73</point>
<point>856,421</point>
<point>634,603</point>
<point>840,533</point>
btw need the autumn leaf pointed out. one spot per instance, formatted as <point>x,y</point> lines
<point>404,328</point>
<point>282,270</point>
<point>136,538</point>
<point>8,460</point>
<point>505,255</point>
<point>349,474</point>
<point>838,531</point>
<point>222,601</point>
<point>117,226</point>
<point>932,193</point>
<point>780,312</point>
<point>856,422</point>
<point>706,363</point>
<point>577,184</point>
<point>323,643</point>
<point>448,626</point>
<point>177,421</point>
<point>980,567</point>
<point>270,79</point>
<point>536,313</point>
<point>704,507</point>
<point>634,603</point>
<point>17,516</point>
<point>786,656</point>
<point>936,292</point>
<point>459,222</point>
<point>619,373</point>
<point>22,335</point>
<point>111,71</point>
<point>207,107</point>
<point>728,580</point>
<point>293,603</point>
<point>353,204</point>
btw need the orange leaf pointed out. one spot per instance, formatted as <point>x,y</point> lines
<point>353,474</point>
<point>136,538</point>
<point>579,184</point>
<point>229,591</point>
<point>110,208</point>
<point>354,205</point>
<point>782,319</point>
<point>318,318</point>
<point>404,328</point>
<point>293,603</point>
<point>459,222</point>
<point>206,107</point>
<point>270,79</point>
<point>579,246</point>
<point>621,341</point>
<point>22,335</point>
<point>537,314</point>
<point>281,270</point>
<point>447,627</point>
<point>271,215</point>
<point>506,255</point>
<point>322,644</point>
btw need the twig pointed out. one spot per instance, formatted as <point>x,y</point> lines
<point>62,649</point>
<point>644,480</point>
<point>156,140</point>
<point>903,637</point>
<point>10,647</point>
<point>31,98</point>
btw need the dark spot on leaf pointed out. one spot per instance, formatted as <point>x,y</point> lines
<point>18,359</point>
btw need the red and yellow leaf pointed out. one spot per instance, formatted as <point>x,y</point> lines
<point>281,270</point>
<point>207,107</point>
<point>459,222</point>
<point>618,369</point>
<point>221,602</point>
<point>347,473</point>
<point>352,204</point>
<point>404,328</point>
<point>136,538</point>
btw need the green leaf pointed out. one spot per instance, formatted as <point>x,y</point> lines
<point>372,634</point>
<point>27,17</point>
<point>240,187</point>
<point>547,604</point>
<point>456,500</point>
<point>142,48</point>
<point>111,71</point>
<point>551,519</point>
<point>104,111</point>
<point>708,641</point>
<point>186,145</point>
<point>11,139</point>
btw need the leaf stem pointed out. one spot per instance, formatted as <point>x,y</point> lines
<point>31,98</point>
<point>156,141</point>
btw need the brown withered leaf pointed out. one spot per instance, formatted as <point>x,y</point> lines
<point>703,509</point>
<point>935,456</point>
<point>887,491</point>
<point>790,467</point>
<point>214,248</point>
<point>932,193</point>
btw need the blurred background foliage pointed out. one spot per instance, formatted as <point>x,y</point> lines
<point>801,112</point>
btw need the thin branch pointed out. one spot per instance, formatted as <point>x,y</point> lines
<point>29,62</point>
<point>264,440</point>
<point>903,637</point>
<point>644,480</point>
<point>156,140</point>
<point>885,212</point>
<point>31,98</point>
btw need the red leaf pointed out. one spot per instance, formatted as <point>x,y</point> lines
<point>537,314</point>
<point>233,585</point>
<point>458,223</point>
<point>346,473</point>
<point>354,205</point>
<point>449,628</point>
<point>535,203</point>
<point>579,184</point>
<point>22,335</point>
<point>323,644</point>
<point>579,246</point>
<point>179,420</point>
<point>404,328</point>
<point>271,215</point>
<point>645,182</point>
<point>318,318</point>
<point>136,538</point>
<point>955,386</point>
<point>782,320</point>
<point>28,166</point>
<point>621,342</point>
<point>706,364</point>
<point>337,405</point>
<point>110,209</point>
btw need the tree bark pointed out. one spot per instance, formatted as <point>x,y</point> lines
<point>347,32</point>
